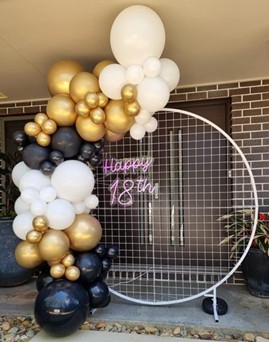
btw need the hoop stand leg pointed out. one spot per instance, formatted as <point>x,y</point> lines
<point>214,305</point>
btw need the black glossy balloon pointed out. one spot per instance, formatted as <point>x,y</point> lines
<point>87,150</point>
<point>100,250</point>
<point>20,138</point>
<point>33,155</point>
<point>90,267</point>
<point>99,294</point>
<point>112,252</point>
<point>99,145</point>
<point>66,140</point>
<point>96,160</point>
<point>106,265</point>
<point>47,167</point>
<point>43,279</point>
<point>81,159</point>
<point>56,157</point>
<point>61,307</point>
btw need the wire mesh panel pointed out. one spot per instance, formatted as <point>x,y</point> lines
<point>159,201</point>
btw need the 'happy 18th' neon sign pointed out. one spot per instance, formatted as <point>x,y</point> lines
<point>122,190</point>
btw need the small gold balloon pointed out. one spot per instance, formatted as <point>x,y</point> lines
<point>82,108</point>
<point>129,92</point>
<point>68,260</point>
<point>40,118</point>
<point>103,100</point>
<point>32,129</point>
<point>57,271</point>
<point>92,100</point>
<point>49,126</point>
<point>54,245</point>
<point>98,115</point>
<point>88,130</point>
<point>43,139</point>
<point>33,236</point>
<point>72,273</point>
<point>113,137</point>
<point>132,108</point>
<point>100,66</point>
<point>81,84</point>
<point>61,109</point>
<point>27,255</point>
<point>116,119</point>
<point>40,223</point>
<point>60,75</point>
<point>84,233</point>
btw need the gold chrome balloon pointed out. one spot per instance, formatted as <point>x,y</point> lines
<point>116,119</point>
<point>132,108</point>
<point>32,129</point>
<point>40,118</point>
<point>54,245</point>
<point>82,108</point>
<point>103,99</point>
<point>68,260</point>
<point>43,139</point>
<point>27,255</point>
<point>40,223</point>
<point>98,115</point>
<point>33,236</point>
<point>92,100</point>
<point>100,66</point>
<point>72,273</point>
<point>49,126</point>
<point>57,271</point>
<point>128,92</point>
<point>113,137</point>
<point>88,130</point>
<point>61,109</point>
<point>84,233</point>
<point>60,75</point>
<point>82,84</point>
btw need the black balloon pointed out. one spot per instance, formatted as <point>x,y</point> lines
<point>66,140</point>
<point>20,138</point>
<point>33,155</point>
<point>95,160</point>
<point>61,307</point>
<point>106,265</point>
<point>100,250</point>
<point>99,145</point>
<point>90,267</point>
<point>87,150</point>
<point>56,157</point>
<point>112,252</point>
<point>47,167</point>
<point>43,279</point>
<point>99,294</point>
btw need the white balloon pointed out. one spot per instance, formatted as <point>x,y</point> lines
<point>29,195</point>
<point>152,94</point>
<point>169,73</point>
<point>143,117</point>
<point>137,131</point>
<point>18,171</point>
<point>91,202</point>
<point>73,181</point>
<point>136,34</point>
<point>39,207</point>
<point>151,125</point>
<point>152,67</point>
<point>20,206</point>
<point>134,74</point>
<point>79,208</point>
<point>60,214</point>
<point>112,79</point>
<point>22,224</point>
<point>34,179</point>
<point>48,193</point>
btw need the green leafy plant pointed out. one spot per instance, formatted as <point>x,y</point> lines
<point>239,226</point>
<point>9,191</point>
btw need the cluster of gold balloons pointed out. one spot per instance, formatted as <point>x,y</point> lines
<point>55,246</point>
<point>41,128</point>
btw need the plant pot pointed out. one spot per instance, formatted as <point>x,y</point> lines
<point>255,268</point>
<point>11,274</point>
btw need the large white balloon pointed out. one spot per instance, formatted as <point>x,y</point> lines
<point>137,131</point>
<point>152,93</point>
<point>169,73</point>
<point>73,181</point>
<point>29,195</point>
<point>22,224</point>
<point>112,79</point>
<point>39,207</point>
<point>20,206</point>
<point>34,179</point>
<point>136,34</point>
<point>18,171</point>
<point>48,193</point>
<point>60,214</point>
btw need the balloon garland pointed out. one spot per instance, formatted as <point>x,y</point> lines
<point>60,150</point>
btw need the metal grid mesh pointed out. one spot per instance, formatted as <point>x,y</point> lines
<point>159,201</point>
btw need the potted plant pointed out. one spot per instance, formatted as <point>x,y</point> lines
<point>11,274</point>
<point>255,266</point>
